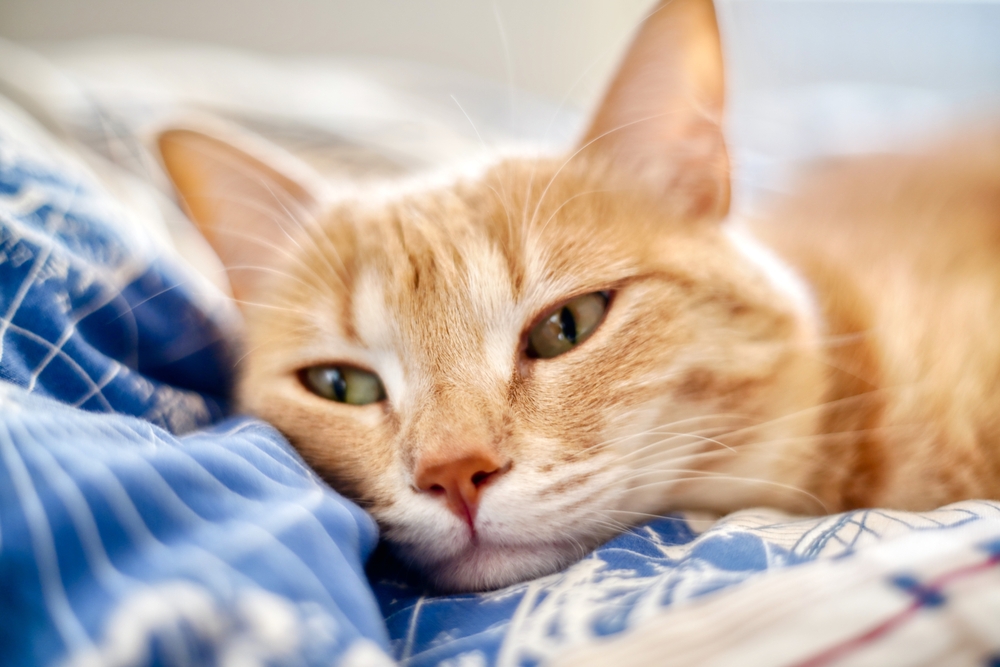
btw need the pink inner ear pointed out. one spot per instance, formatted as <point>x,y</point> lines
<point>249,211</point>
<point>662,114</point>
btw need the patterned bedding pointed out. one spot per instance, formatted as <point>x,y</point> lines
<point>139,525</point>
<point>126,537</point>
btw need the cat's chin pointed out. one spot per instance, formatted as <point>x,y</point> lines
<point>483,567</point>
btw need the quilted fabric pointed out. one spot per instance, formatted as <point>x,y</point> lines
<point>928,598</point>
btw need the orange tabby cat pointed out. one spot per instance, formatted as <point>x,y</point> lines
<point>509,369</point>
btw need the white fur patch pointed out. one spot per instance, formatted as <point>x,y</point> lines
<point>781,276</point>
<point>380,338</point>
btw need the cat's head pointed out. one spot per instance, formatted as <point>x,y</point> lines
<point>508,370</point>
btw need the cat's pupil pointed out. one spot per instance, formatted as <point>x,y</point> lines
<point>337,383</point>
<point>568,323</point>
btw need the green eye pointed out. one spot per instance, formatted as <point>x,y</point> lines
<point>567,326</point>
<point>343,384</point>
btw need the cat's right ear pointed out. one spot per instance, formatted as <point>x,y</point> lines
<point>662,115</point>
<point>247,209</point>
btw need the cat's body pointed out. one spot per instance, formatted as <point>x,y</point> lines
<point>511,368</point>
<point>903,255</point>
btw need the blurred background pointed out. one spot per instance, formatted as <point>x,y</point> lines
<point>544,45</point>
<point>386,85</point>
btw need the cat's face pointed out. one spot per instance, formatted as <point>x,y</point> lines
<point>509,370</point>
<point>437,294</point>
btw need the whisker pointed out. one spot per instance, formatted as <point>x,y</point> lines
<point>605,53</point>
<point>649,515</point>
<point>735,478</point>
<point>270,306</point>
<point>469,118</point>
<point>659,443</point>
<point>300,221</point>
<point>560,207</point>
<point>297,258</point>
<point>671,425</point>
<point>508,62</point>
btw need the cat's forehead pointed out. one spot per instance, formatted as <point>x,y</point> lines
<point>527,230</point>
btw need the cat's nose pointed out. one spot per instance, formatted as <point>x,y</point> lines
<point>460,480</point>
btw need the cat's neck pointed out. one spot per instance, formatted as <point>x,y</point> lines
<point>850,467</point>
<point>900,253</point>
<point>845,462</point>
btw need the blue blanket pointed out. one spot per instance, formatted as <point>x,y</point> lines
<point>139,526</point>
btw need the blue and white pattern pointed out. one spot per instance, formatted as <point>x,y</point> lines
<point>91,312</point>
<point>120,542</point>
<point>927,597</point>
<point>632,579</point>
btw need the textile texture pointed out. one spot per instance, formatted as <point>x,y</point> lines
<point>122,543</point>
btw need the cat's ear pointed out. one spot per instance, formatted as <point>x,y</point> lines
<point>249,202</point>
<point>662,114</point>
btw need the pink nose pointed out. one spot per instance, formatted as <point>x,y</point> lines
<point>460,480</point>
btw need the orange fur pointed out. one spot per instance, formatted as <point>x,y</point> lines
<point>713,382</point>
<point>903,252</point>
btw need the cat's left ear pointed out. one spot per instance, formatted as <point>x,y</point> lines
<point>662,115</point>
<point>249,200</point>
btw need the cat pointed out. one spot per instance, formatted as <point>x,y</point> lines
<point>508,369</point>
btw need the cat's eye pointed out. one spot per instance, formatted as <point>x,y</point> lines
<point>343,384</point>
<point>567,326</point>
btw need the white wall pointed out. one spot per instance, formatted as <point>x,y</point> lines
<point>550,44</point>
